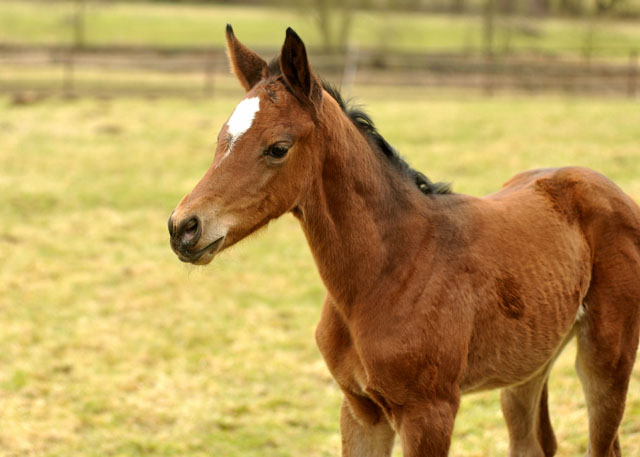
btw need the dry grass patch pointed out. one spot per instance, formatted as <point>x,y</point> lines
<point>111,347</point>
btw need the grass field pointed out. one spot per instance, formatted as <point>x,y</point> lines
<point>109,346</point>
<point>167,25</point>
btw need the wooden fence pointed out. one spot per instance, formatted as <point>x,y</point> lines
<point>490,74</point>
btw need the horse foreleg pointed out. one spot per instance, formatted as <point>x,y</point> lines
<point>425,428</point>
<point>366,432</point>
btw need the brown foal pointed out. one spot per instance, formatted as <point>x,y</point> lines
<point>430,294</point>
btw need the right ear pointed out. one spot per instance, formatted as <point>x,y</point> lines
<point>248,66</point>
<point>296,70</point>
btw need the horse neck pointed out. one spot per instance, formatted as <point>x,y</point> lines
<point>362,218</point>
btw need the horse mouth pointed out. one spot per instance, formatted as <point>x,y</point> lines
<point>204,255</point>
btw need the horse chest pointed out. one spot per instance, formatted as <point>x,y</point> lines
<point>337,348</point>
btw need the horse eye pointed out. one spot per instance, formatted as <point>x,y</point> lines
<point>277,151</point>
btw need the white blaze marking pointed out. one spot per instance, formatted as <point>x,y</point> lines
<point>241,120</point>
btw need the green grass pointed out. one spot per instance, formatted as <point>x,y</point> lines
<point>175,25</point>
<point>111,347</point>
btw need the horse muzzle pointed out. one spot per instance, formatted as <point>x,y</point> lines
<point>188,243</point>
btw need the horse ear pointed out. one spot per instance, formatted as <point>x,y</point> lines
<point>248,66</point>
<point>295,68</point>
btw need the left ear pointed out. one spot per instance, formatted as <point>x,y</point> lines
<point>297,72</point>
<point>246,64</point>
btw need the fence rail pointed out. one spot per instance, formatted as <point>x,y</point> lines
<point>534,73</point>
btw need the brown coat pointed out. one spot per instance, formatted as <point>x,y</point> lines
<point>430,294</point>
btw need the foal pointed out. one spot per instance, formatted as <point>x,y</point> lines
<point>430,294</point>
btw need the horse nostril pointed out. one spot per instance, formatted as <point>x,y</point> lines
<point>185,234</point>
<point>189,231</point>
<point>190,228</point>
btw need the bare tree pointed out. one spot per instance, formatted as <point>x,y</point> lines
<point>573,7</point>
<point>489,26</point>
<point>458,6</point>
<point>604,6</point>
<point>78,21</point>
<point>540,7</point>
<point>334,19</point>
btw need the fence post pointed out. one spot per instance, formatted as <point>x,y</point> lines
<point>633,73</point>
<point>350,69</point>
<point>68,86</point>
<point>77,42</point>
<point>209,70</point>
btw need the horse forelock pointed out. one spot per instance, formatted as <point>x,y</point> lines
<point>366,126</point>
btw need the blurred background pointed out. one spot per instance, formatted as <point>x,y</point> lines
<point>109,111</point>
<point>103,47</point>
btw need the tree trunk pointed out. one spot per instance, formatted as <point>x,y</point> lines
<point>323,17</point>
<point>458,6</point>
<point>540,7</point>
<point>489,26</point>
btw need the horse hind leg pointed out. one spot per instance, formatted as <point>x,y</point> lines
<point>607,344</point>
<point>546,437</point>
<point>526,413</point>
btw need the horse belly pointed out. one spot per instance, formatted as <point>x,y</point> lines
<point>505,368</point>
<point>528,315</point>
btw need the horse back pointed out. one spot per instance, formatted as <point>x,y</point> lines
<point>604,213</point>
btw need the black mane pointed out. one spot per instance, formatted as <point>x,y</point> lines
<point>367,127</point>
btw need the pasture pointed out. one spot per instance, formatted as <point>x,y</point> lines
<point>182,25</point>
<point>109,346</point>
